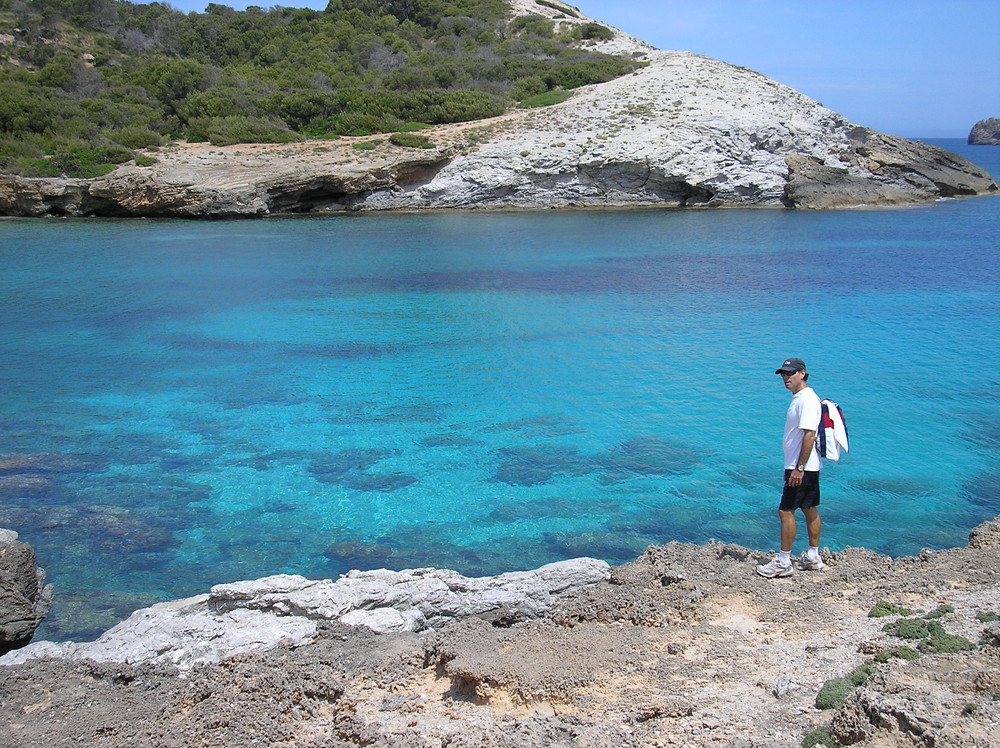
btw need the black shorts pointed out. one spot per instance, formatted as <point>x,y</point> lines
<point>803,496</point>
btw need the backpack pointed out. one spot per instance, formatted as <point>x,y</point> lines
<point>831,436</point>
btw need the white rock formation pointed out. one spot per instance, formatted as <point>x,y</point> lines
<point>686,130</point>
<point>285,609</point>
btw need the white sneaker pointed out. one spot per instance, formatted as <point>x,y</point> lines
<point>810,564</point>
<point>774,569</point>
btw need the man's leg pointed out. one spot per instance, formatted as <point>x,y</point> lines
<point>811,561</point>
<point>781,566</point>
<point>788,529</point>
<point>813,525</point>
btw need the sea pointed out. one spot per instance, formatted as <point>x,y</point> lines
<point>188,403</point>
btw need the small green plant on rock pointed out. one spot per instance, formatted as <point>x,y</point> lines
<point>941,642</point>
<point>900,653</point>
<point>939,612</point>
<point>410,140</point>
<point>835,690</point>
<point>546,99</point>
<point>908,628</point>
<point>833,693</point>
<point>820,736</point>
<point>413,127</point>
<point>932,636</point>
<point>986,616</point>
<point>884,608</point>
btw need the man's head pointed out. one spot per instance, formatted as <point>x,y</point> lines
<point>793,374</point>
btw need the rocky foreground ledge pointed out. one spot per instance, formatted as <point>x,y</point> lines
<point>684,131</point>
<point>685,646</point>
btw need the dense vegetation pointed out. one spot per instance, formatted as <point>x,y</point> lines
<point>83,83</point>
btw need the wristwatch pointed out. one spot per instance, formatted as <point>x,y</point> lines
<point>800,468</point>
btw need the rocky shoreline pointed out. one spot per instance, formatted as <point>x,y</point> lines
<point>684,131</point>
<point>684,646</point>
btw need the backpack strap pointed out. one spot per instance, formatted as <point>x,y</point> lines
<point>824,423</point>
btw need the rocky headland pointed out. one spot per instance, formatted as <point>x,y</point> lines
<point>985,132</point>
<point>683,131</point>
<point>685,646</point>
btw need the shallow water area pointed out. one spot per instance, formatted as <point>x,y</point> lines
<point>189,403</point>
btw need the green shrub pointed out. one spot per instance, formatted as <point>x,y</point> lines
<point>146,160</point>
<point>239,129</point>
<point>558,6</point>
<point>33,167</point>
<point>359,68</point>
<point>884,608</point>
<point>818,737</point>
<point>356,124</point>
<point>934,638</point>
<point>901,653</point>
<point>908,628</point>
<point>546,99</point>
<point>410,140</point>
<point>939,612</point>
<point>861,674</point>
<point>525,88</point>
<point>945,643</point>
<point>984,616</point>
<point>596,31</point>
<point>537,25</point>
<point>833,693</point>
<point>13,148</point>
<point>135,137</point>
<point>367,145</point>
<point>576,73</point>
<point>84,162</point>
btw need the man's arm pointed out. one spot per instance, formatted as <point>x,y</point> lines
<point>808,443</point>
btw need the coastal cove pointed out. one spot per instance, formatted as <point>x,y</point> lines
<point>196,403</point>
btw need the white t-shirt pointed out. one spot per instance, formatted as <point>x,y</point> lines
<point>803,413</point>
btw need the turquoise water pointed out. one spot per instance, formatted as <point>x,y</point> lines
<point>188,403</point>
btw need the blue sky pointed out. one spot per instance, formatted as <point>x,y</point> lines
<point>909,67</point>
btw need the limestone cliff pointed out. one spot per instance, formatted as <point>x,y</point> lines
<point>683,131</point>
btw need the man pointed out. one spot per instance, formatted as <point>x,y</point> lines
<point>802,466</point>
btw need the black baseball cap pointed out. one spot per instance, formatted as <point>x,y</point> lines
<point>791,365</point>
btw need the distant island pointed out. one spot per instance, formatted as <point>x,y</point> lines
<point>985,132</point>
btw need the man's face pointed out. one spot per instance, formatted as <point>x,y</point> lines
<point>794,380</point>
